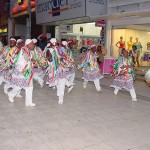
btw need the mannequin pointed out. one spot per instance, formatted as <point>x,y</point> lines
<point>130,44</point>
<point>139,50</point>
<point>120,44</point>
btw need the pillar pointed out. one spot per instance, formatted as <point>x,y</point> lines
<point>109,38</point>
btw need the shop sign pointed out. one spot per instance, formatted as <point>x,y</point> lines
<point>57,10</point>
<point>66,28</point>
<point>148,46</point>
<point>100,23</point>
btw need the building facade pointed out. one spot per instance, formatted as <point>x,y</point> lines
<point>128,18</point>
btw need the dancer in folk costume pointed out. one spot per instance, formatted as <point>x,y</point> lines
<point>9,56</point>
<point>124,74</point>
<point>2,63</point>
<point>91,71</point>
<point>6,58</point>
<point>20,43</point>
<point>71,69</point>
<point>40,63</point>
<point>51,53</point>
<point>64,64</point>
<point>22,75</point>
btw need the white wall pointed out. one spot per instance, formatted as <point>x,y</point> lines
<point>126,6</point>
<point>88,30</point>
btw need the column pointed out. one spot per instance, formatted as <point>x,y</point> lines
<point>44,29</point>
<point>11,27</point>
<point>109,38</point>
<point>28,21</point>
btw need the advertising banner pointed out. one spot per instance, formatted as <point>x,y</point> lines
<point>100,23</point>
<point>56,10</point>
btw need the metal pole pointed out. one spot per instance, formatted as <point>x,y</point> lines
<point>29,20</point>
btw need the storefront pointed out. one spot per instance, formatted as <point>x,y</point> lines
<point>74,20</point>
<point>133,36</point>
<point>128,32</point>
<point>82,35</point>
<point>128,24</point>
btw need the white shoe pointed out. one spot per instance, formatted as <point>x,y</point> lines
<point>19,96</point>
<point>115,92</point>
<point>30,104</point>
<point>99,90</point>
<point>11,99</point>
<point>47,83</point>
<point>41,82</point>
<point>5,90</point>
<point>54,87</point>
<point>84,86</point>
<point>134,99</point>
<point>101,76</point>
<point>70,89</point>
<point>60,102</point>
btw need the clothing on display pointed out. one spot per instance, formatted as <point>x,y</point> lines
<point>130,44</point>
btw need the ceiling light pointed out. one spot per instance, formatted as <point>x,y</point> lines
<point>91,23</point>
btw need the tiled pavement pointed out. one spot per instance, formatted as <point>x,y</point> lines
<point>87,120</point>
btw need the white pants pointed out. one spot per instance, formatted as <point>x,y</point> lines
<point>1,80</point>
<point>61,88</point>
<point>132,92</point>
<point>28,92</point>
<point>38,78</point>
<point>70,79</point>
<point>7,86</point>
<point>96,83</point>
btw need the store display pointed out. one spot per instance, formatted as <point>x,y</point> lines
<point>148,46</point>
<point>138,45</point>
<point>102,36</point>
<point>89,42</point>
<point>146,56</point>
<point>130,43</point>
<point>120,44</point>
<point>138,50</point>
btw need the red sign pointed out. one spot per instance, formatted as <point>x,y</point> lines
<point>100,23</point>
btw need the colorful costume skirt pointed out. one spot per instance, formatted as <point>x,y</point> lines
<point>91,75</point>
<point>17,79</point>
<point>123,83</point>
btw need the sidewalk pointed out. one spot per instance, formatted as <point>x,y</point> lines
<point>87,120</point>
<point>142,89</point>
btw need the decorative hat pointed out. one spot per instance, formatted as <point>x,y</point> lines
<point>28,41</point>
<point>64,43</point>
<point>19,40</point>
<point>13,39</point>
<point>34,40</point>
<point>93,46</point>
<point>53,40</point>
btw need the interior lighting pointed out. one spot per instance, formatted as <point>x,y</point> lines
<point>91,23</point>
